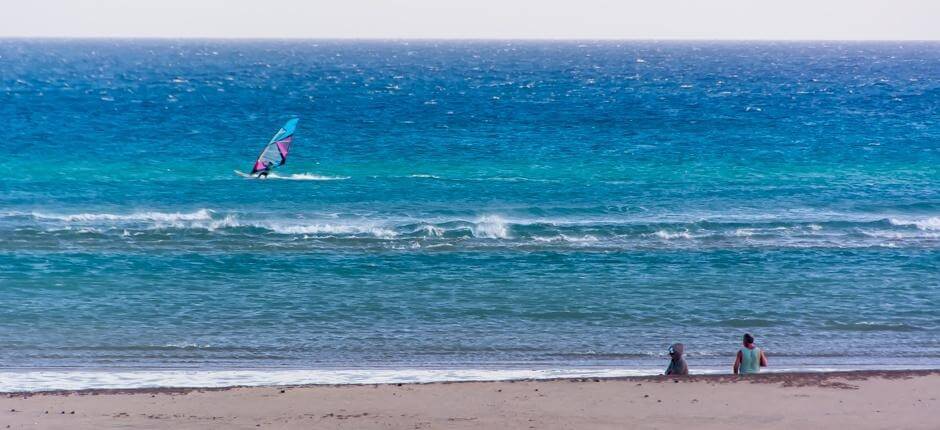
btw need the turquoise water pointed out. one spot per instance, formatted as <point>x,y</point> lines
<point>468,204</point>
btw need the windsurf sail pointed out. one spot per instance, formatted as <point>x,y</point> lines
<point>275,152</point>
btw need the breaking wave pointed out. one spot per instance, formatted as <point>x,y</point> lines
<point>330,230</point>
<point>931,223</point>
<point>492,227</point>
<point>199,215</point>
<point>479,230</point>
<point>666,235</point>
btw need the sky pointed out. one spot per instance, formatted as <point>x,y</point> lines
<point>476,19</point>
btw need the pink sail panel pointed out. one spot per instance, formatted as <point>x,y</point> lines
<point>284,146</point>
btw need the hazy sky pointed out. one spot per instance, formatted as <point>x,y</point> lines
<point>588,19</point>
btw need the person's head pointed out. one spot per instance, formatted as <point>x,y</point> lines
<point>748,339</point>
<point>676,350</point>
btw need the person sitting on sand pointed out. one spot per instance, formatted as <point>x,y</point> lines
<point>750,358</point>
<point>677,366</point>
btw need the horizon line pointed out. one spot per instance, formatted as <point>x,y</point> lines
<point>454,39</point>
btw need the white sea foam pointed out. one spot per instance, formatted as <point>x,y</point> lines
<point>744,232</point>
<point>184,345</point>
<point>42,380</point>
<point>48,380</point>
<point>491,227</point>
<point>211,224</point>
<point>667,235</point>
<point>431,230</point>
<point>306,177</point>
<point>201,214</point>
<point>510,179</point>
<point>566,238</point>
<point>931,223</point>
<point>595,231</point>
<point>900,235</point>
<point>228,221</point>
<point>748,232</point>
<point>331,229</point>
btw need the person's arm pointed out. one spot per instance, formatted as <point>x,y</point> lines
<point>737,363</point>
<point>763,358</point>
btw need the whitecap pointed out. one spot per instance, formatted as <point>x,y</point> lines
<point>744,232</point>
<point>490,227</point>
<point>431,230</point>
<point>898,235</point>
<point>309,230</point>
<point>931,223</point>
<point>566,238</point>
<point>228,221</point>
<point>201,214</point>
<point>663,234</point>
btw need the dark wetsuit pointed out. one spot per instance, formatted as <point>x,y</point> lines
<point>267,169</point>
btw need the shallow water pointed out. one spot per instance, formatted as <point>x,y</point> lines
<point>468,205</point>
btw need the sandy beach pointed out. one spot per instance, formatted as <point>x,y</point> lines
<point>859,400</point>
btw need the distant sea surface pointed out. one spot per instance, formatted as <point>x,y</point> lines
<point>467,205</point>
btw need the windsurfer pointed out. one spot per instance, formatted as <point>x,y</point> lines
<point>267,169</point>
<point>275,152</point>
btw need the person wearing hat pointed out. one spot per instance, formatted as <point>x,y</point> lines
<point>677,366</point>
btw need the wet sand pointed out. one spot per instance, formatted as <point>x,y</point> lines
<point>857,400</point>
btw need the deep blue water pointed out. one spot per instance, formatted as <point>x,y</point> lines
<point>468,203</point>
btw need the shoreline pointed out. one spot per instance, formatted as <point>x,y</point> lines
<point>38,380</point>
<point>804,377</point>
<point>851,399</point>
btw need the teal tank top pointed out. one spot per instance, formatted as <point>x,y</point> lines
<point>750,360</point>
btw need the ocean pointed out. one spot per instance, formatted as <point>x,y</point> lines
<point>463,209</point>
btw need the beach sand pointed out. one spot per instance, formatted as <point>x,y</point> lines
<point>856,400</point>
